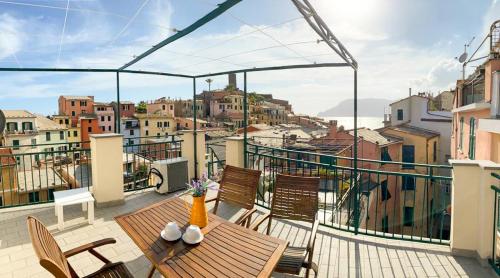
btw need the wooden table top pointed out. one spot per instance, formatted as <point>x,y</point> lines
<point>228,250</point>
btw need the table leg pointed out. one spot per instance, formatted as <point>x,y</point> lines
<point>60,218</point>
<point>84,206</point>
<point>55,209</point>
<point>90,207</point>
<point>151,271</point>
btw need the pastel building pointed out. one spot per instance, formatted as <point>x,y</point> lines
<point>74,106</point>
<point>88,125</point>
<point>476,114</point>
<point>127,108</point>
<point>155,125</point>
<point>105,117</point>
<point>73,132</point>
<point>52,136</point>
<point>131,133</point>
<point>162,106</point>
<point>20,133</point>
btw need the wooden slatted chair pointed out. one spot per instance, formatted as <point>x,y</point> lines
<point>56,262</point>
<point>295,198</point>
<point>238,187</point>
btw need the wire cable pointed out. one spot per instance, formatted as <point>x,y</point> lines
<point>131,20</point>
<point>62,34</point>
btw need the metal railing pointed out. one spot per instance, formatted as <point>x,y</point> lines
<point>30,176</point>
<point>215,163</point>
<point>139,158</point>
<point>408,201</point>
<point>495,252</point>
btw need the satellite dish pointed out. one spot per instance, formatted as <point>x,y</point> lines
<point>462,57</point>
<point>2,121</point>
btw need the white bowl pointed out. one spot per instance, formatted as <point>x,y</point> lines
<point>192,235</point>
<point>171,235</point>
<point>196,241</point>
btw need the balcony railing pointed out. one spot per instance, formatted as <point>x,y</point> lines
<point>138,158</point>
<point>379,198</point>
<point>495,249</point>
<point>30,176</point>
<point>215,162</point>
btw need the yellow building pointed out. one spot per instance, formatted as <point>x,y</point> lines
<point>8,178</point>
<point>155,125</point>
<point>417,199</point>
<point>73,135</point>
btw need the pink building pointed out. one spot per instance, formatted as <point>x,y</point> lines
<point>74,106</point>
<point>105,117</point>
<point>162,106</point>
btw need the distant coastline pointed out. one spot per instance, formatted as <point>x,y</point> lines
<point>348,122</point>
<point>368,107</point>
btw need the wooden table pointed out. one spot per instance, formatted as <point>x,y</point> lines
<point>228,250</point>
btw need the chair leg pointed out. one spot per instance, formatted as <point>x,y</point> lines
<point>90,208</point>
<point>151,271</point>
<point>60,218</point>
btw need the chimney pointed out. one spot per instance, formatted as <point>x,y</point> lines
<point>409,92</point>
<point>232,79</point>
<point>332,132</point>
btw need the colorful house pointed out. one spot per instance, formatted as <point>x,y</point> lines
<point>74,106</point>
<point>105,117</point>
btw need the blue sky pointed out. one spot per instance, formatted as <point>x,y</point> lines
<point>397,43</point>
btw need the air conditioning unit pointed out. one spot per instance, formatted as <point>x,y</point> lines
<point>171,175</point>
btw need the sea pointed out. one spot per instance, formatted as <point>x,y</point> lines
<point>348,122</point>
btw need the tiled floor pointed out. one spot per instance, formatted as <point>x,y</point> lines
<point>339,254</point>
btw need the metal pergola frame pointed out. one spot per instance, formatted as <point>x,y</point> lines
<point>307,11</point>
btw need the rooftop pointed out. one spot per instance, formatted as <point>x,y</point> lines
<point>43,123</point>
<point>339,254</point>
<point>18,114</point>
<point>375,137</point>
<point>77,97</point>
<point>412,130</point>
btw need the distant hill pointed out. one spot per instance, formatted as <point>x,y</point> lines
<point>367,107</point>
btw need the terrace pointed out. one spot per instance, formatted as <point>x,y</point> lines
<point>378,218</point>
<point>339,254</point>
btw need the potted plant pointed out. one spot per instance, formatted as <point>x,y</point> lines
<point>198,189</point>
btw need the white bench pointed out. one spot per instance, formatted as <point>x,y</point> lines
<point>71,197</point>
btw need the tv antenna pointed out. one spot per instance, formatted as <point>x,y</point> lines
<point>463,57</point>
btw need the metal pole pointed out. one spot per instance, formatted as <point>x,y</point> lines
<point>355,154</point>
<point>245,120</point>
<point>118,106</point>
<point>194,131</point>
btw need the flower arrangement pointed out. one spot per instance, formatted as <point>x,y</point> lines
<point>199,187</point>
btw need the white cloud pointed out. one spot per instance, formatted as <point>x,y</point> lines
<point>11,38</point>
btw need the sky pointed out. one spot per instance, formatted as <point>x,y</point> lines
<point>398,44</point>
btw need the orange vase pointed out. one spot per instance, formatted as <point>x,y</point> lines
<point>199,216</point>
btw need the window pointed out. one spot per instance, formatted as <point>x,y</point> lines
<point>408,156</point>
<point>109,118</point>
<point>166,124</point>
<point>460,144</point>
<point>69,133</point>
<point>386,195</point>
<point>102,118</point>
<point>75,133</point>
<point>51,194</point>
<point>408,183</point>
<point>147,133</point>
<point>171,107</point>
<point>72,103</point>
<point>73,113</point>
<point>61,135</point>
<point>385,224</point>
<point>66,121</point>
<point>12,126</point>
<point>131,132</point>
<point>158,124</point>
<point>33,143</point>
<point>83,103</point>
<point>408,216</point>
<point>146,123</point>
<point>434,151</point>
<point>109,128</point>
<point>103,128</point>
<point>163,107</point>
<point>384,154</point>
<point>400,114</point>
<point>34,197</point>
<point>89,129</point>
<point>47,136</point>
<point>472,138</point>
<point>60,121</point>
<point>1,201</point>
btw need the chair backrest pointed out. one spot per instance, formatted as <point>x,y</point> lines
<point>295,198</point>
<point>238,186</point>
<point>48,252</point>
